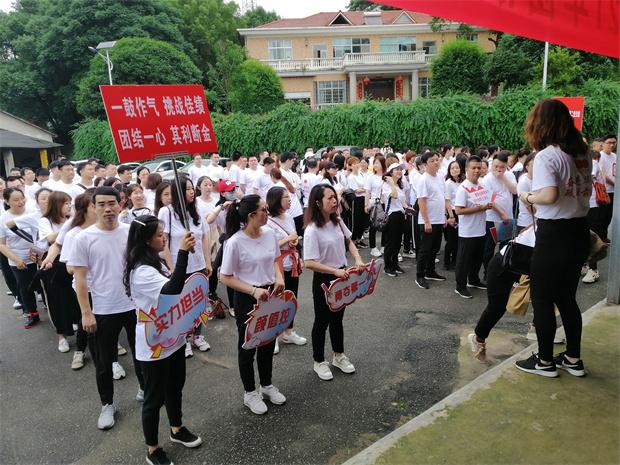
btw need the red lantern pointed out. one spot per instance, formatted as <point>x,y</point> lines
<point>360,90</point>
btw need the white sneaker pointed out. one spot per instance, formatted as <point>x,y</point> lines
<point>200,343</point>
<point>382,249</point>
<point>323,371</point>
<point>16,304</point>
<point>436,260</point>
<point>276,348</point>
<point>531,335</point>
<point>375,252</point>
<point>75,327</point>
<point>400,258</point>
<point>117,371</point>
<point>106,417</point>
<point>63,345</point>
<point>294,338</point>
<point>78,360</point>
<point>121,350</point>
<point>273,394</point>
<point>189,353</point>
<point>584,269</point>
<point>343,363</point>
<point>478,349</point>
<point>231,311</point>
<point>254,401</point>
<point>140,395</point>
<point>591,276</point>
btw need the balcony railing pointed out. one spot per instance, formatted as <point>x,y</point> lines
<point>349,59</point>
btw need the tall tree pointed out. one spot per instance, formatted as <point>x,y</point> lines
<point>255,88</point>
<point>258,16</point>
<point>563,70</point>
<point>363,5</point>
<point>229,56</point>
<point>459,67</point>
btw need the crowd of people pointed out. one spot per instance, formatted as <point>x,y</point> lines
<point>95,247</point>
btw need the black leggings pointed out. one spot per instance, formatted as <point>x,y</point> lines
<point>393,239</point>
<point>499,285</point>
<point>451,235</point>
<point>605,215</point>
<point>9,277</point>
<point>324,318</point>
<point>61,299</point>
<point>26,292</point>
<point>562,247</point>
<point>359,218</point>
<point>291,284</point>
<point>163,385</point>
<point>264,355</point>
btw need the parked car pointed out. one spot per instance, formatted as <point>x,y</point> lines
<point>185,169</point>
<point>163,167</point>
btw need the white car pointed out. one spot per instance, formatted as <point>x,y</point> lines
<point>162,167</point>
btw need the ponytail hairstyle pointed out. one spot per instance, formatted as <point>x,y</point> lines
<point>239,212</point>
<point>138,251</point>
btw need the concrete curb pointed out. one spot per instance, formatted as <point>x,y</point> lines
<point>373,452</point>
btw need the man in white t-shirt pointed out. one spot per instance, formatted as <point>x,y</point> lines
<point>67,173</point>
<point>286,163</point>
<point>263,183</point>
<point>235,174</point>
<point>30,186</point>
<point>432,204</point>
<point>502,186</point>
<point>309,179</point>
<point>607,165</point>
<point>86,172</point>
<point>214,170</point>
<point>472,201</point>
<point>252,172</point>
<point>98,262</point>
<point>54,176</point>
<point>198,170</point>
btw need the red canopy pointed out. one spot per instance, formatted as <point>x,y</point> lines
<point>590,25</point>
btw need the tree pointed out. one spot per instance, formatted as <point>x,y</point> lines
<point>93,138</point>
<point>258,16</point>
<point>136,61</point>
<point>229,56</point>
<point>363,5</point>
<point>459,67</point>
<point>51,55</point>
<point>509,66</point>
<point>563,70</point>
<point>256,88</point>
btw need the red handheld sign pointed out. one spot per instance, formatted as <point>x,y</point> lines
<point>575,107</point>
<point>150,120</point>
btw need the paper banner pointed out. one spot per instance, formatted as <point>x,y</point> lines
<point>176,315</point>
<point>269,319</point>
<point>342,292</point>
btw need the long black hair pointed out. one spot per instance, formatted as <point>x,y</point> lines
<point>239,212</point>
<point>274,200</point>
<point>138,252</point>
<point>314,212</point>
<point>190,207</point>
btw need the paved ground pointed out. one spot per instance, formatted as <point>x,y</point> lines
<point>404,342</point>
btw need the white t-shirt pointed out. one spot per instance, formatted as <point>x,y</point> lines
<point>196,173</point>
<point>397,204</point>
<point>595,177</point>
<point>295,181</point>
<point>326,245</point>
<point>525,216</point>
<point>215,172</point>
<point>572,177</point>
<point>72,189</point>
<point>51,184</point>
<point>308,181</point>
<point>146,284</point>
<point>250,260</point>
<point>196,261</point>
<point>30,191</point>
<point>18,246</point>
<point>262,184</point>
<point>450,192</point>
<point>103,253</point>
<point>414,179</point>
<point>250,177</point>
<point>607,163</point>
<point>282,228</point>
<point>46,227</point>
<point>469,195</point>
<point>204,208</point>
<point>432,188</point>
<point>503,196</point>
<point>235,175</point>
<point>149,198</point>
<point>374,185</point>
<point>67,241</point>
<point>357,182</point>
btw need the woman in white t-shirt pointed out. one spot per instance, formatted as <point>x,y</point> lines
<point>561,188</point>
<point>595,219</point>
<point>150,187</point>
<point>324,253</point>
<point>395,201</point>
<point>454,178</point>
<point>357,183</point>
<point>526,215</point>
<point>136,204</point>
<point>146,278</point>
<point>205,200</point>
<point>200,260</point>
<point>374,188</point>
<point>283,225</point>
<point>249,267</point>
<point>163,196</point>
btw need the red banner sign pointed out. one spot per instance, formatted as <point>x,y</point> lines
<point>575,106</point>
<point>149,120</point>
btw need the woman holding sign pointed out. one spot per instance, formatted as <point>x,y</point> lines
<point>145,278</point>
<point>248,266</point>
<point>326,239</point>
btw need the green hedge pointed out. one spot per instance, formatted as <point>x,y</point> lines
<point>459,119</point>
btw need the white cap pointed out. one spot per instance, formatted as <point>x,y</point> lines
<point>393,166</point>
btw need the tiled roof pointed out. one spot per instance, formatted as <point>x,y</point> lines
<point>356,18</point>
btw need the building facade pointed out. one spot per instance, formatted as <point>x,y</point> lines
<point>343,57</point>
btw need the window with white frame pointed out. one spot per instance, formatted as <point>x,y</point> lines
<point>397,44</point>
<point>330,93</point>
<point>350,45</point>
<point>423,87</point>
<point>430,47</point>
<point>280,50</point>
<point>471,37</point>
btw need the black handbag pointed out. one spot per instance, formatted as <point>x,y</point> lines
<point>517,258</point>
<point>379,216</point>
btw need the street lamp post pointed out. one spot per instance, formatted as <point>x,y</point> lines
<point>105,46</point>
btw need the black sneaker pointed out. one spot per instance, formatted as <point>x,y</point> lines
<point>533,365</point>
<point>30,320</point>
<point>575,369</point>
<point>463,293</point>
<point>478,285</point>
<point>398,270</point>
<point>421,282</point>
<point>448,267</point>
<point>185,437</point>
<point>433,276</point>
<point>390,272</point>
<point>158,457</point>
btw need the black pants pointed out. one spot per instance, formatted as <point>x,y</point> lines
<point>264,355</point>
<point>24,278</point>
<point>606,214</point>
<point>324,318</point>
<point>299,225</point>
<point>359,219</point>
<point>451,235</point>
<point>408,238</point>
<point>9,277</point>
<point>62,303</point>
<point>562,247</point>
<point>103,348</point>
<point>489,247</point>
<point>499,285</point>
<point>595,224</point>
<point>393,238</point>
<point>469,260</point>
<point>163,385</point>
<point>291,284</point>
<point>430,243</point>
